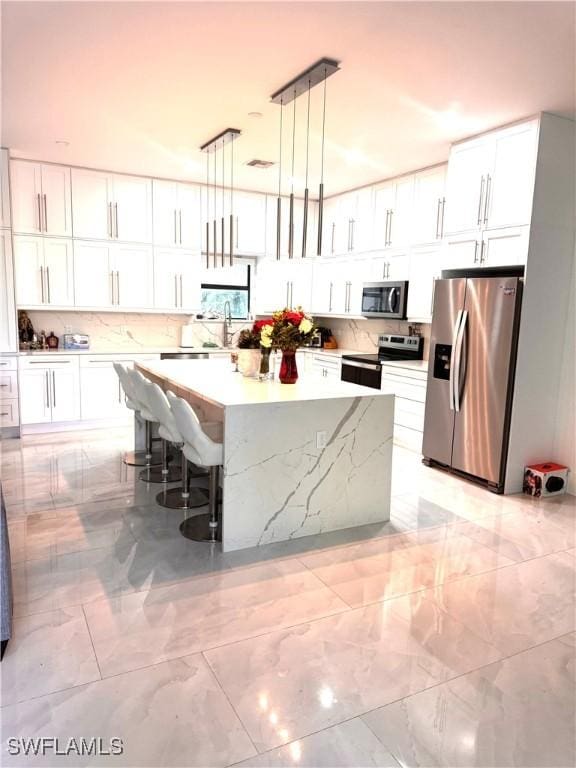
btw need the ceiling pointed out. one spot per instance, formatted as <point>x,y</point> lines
<point>138,87</point>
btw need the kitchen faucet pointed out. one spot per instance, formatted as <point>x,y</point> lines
<point>228,333</point>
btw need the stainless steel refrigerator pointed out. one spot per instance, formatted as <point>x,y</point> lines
<point>471,375</point>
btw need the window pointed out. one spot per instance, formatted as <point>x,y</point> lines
<point>213,298</point>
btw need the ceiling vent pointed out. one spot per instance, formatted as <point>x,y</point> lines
<point>260,163</point>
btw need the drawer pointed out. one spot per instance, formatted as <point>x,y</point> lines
<point>9,413</point>
<point>405,391</point>
<point>8,384</point>
<point>325,361</point>
<point>407,419</point>
<point>408,438</point>
<point>408,373</point>
<point>8,363</point>
<point>105,361</point>
<point>48,361</point>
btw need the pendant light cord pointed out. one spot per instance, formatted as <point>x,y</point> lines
<point>280,159</point>
<point>307,132</point>
<point>323,131</point>
<point>293,141</point>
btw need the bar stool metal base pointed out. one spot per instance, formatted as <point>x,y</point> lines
<point>138,459</point>
<point>172,498</point>
<point>198,528</point>
<point>155,475</point>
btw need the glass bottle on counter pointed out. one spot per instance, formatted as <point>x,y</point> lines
<point>52,341</point>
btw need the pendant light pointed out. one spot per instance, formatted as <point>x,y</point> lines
<point>207,211</point>
<point>214,224</point>
<point>314,75</point>
<point>231,232</point>
<point>305,211</point>
<point>222,237</point>
<point>291,211</point>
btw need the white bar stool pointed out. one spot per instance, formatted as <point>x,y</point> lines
<point>138,383</point>
<point>185,497</point>
<point>134,458</point>
<point>201,449</point>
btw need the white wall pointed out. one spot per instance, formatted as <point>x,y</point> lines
<point>565,432</point>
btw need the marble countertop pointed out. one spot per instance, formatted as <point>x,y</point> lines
<point>129,352</point>
<point>217,383</point>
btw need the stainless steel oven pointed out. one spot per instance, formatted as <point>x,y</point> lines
<point>385,299</point>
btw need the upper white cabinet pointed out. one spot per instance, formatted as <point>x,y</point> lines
<point>41,199</point>
<point>177,215</point>
<point>111,206</point>
<point>249,223</point>
<point>425,268</point>
<point>8,335</point>
<point>393,213</point>
<point>348,223</point>
<point>44,271</point>
<point>429,205</point>
<point>176,279</point>
<point>113,275</point>
<point>490,180</point>
<point>4,190</point>
<point>507,246</point>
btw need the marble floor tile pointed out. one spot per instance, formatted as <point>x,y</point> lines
<point>48,652</point>
<point>365,574</point>
<point>172,714</point>
<point>348,745</point>
<point>517,712</point>
<point>288,684</point>
<point>521,536</point>
<point>147,627</point>
<point>516,607</point>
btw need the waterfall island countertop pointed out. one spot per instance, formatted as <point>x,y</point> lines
<point>299,459</point>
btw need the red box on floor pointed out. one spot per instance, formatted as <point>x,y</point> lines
<point>547,479</point>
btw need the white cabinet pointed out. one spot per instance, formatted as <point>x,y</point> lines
<point>41,199</point>
<point>176,279</point>
<point>49,389</point>
<point>4,190</point>
<point>249,221</point>
<point>491,248</point>
<point>337,285</point>
<point>460,251</point>
<point>429,205</point>
<point>284,284</point>
<point>8,333</point>
<point>348,223</point>
<point>425,269</point>
<point>113,275</point>
<point>393,212</point>
<point>111,206</point>
<point>272,227</point>
<point>490,180</point>
<point>326,365</point>
<point>9,411</point>
<point>394,265</point>
<point>44,271</point>
<point>177,215</point>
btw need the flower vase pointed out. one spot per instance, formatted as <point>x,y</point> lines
<point>249,362</point>
<point>264,364</point>
<point>288,368</point>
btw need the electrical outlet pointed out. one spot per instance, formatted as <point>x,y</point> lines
<point>67,329</point>
<point>321,438</point>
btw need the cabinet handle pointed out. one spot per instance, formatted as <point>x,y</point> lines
<point>475,251</point>
<point>117,287</point>
<point>438,218</point>
<point>42,283</point>
<point>116,218</point>
<point>112,287</point>
<point>110,232</point>
<point>48,284</point>
<point>352,227</point>
<point>180,290</point>
<point>482,249</point>
<point>330,299</point>
<point>39,212</point>
<point>45,214</point>
<point>390,228</point>
<point>4,413</point>
<point>287,293</point>
<point>237,230</point>
<point>53,389</point>
<point>175,240</point>
<point>47,389</point>
<point>333,233</point>
<point>175,291</point>
<point>442,217</point>
<point>487,197</point>
<point>480,199</point>
<point>180,224</point>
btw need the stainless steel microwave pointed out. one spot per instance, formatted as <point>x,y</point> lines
<point>385,299</point>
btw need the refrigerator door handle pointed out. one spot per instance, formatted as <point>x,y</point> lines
<point>458,360</point>
<point>452,378</point>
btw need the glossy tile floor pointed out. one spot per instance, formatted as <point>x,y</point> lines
<point>443,638</point>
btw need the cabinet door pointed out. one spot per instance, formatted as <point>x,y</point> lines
<point>384,199</point>
<point>165,224</point>
<point>461,251</point>
<point>101,395</point>
<point>428,205</point>
<point>133,209</point>
<point>59,272</point>
<point>167,264</point>
<point>8,335</point>
<point>511,185</point>
<point>35,396</point>
<point>361,236</point>
<point>300,277</point>
<point>134,268</point>
<point>56,200</point>
<point>250,214</point>
<point>330,222</point>
<point>91,204</point>
<point>93,279</point>
<point>395,265</point>
<point>322,292</point>
<point>27,215</point>
<point>29,271</point>
<point>400,225</point>
<point>65,392</point>
<point>5,220</point>
<point>468,166</point>
<point>189,222</point>
<point>504,247</point>
<point>189,279</point>
<point>424,271</point>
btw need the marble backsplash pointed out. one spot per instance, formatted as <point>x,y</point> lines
<point>111,331</point>
<point>362,335</point>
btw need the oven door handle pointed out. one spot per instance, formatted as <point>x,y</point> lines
<point>367,366</point>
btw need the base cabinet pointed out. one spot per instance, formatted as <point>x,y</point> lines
<point>49,390</point>
<point>409,387</point>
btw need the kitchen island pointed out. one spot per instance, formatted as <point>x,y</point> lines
<point>299,459</point>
